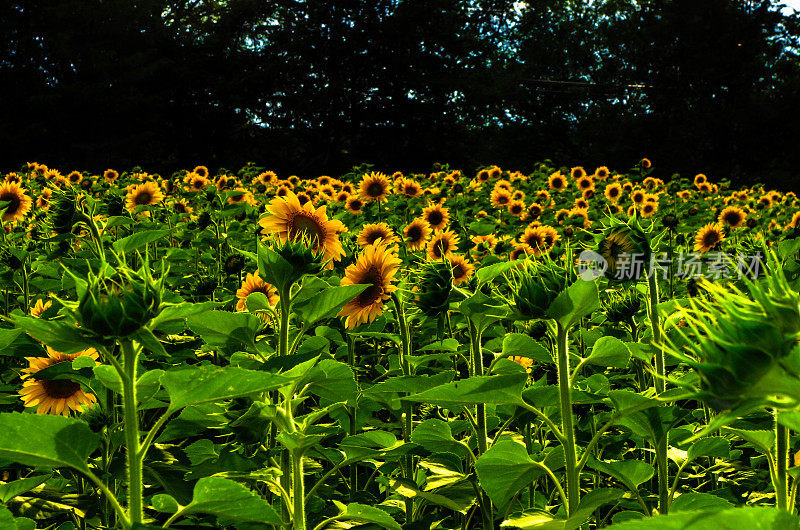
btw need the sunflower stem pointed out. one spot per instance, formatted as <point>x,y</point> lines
<point>130,409</point>
<point>405,352</point>
<point>567,420</point>
<point>781,484</point>
<point>662,444</point>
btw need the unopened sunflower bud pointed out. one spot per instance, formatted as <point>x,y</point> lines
<point>434,285</point>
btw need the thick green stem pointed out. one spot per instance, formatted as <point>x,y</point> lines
<point>130,409</point>
<point>298,493</point>
<point>781,479</point>
<point>353,413</point>
<point>662,463</point>
<point>408,424</point>
<point>477,370</point>
<point>287,465</point>
<point>567,420</point>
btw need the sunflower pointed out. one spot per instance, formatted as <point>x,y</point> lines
<point>482,176</point>
<point>638,196</point>
<point>201,170</point>
<point>462,268</point>
<point>13,177</point>
<point>500,198</point>
<point>516,208</point>
<point>196,182</point>
<point>577,172</point>
<point>437,216</point>
<point>708,238</point>
<point>410,188</point>
<point>795,222</point>
<point>254,284</point>
<point>19,204</point>
<point>580,202</point>
<point>374,187</point>
<point>290,220</point>
<point>54,396</point>
<point>602,173</point>
<point>181,207</point>
<point>324,180</point>
<point>613,191</point>
<point>503,184</point>
<point>225,182</point>
<point>483,245</point>
<point>304,197</point>
<point>43,200</point>
<point>557,182</point>
<point>110,175</point>
<point>376,267</point>
<point>700,179</point>
<point>765,201</point>
<point>282,191</point>
<point>416,234</point>
<point>146,194</point>
<point>645,163</point>
<point>519,252</point>
<point>732,216</point>
<point>40,307</point>
<point>242,195</point>
<point>705,187</point>
<point>588,194</point>
<point>442,244</point>
<point>377,231</point>
<point>649,208</point>
<point>684,195</point>
<point>75,177</point>
<point>266,178</point>
<point>354,204</point>
<point>341,197</point>
<point>535,210</point>
<point>615,245</point>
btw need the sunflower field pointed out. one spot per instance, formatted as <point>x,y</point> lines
<point>489,349</point>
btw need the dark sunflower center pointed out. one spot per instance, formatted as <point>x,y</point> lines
<point>355,205</point>
<point>411,190</point>
<point>533,241</point>
<point>13,200</point>
<point>441,247</point>
<point>302,199</point>
<point>515,209</point>
<point>557,183</point>
<point>502,199</point>
<point>375,235</point>
<point>375,189</point>
<point>613,192</point>
<point>414,233</point>
<point>180,207</point>
<point>305,226</point>
<point>59,388</point>
<point>733,218</point>
<point>548,240</point>
<point>435,218</point>
<point>371,294</point>
<point>143,198</point>
<point>710,238</point>
<point>458,271</point>
<point>197,184</point>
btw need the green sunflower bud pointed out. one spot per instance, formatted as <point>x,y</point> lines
<point>116,306</point>
<point>434,285</point>
<point>64,211</point>
<point>537,287</point>
<point>622,307</point>
<point>744,344</point>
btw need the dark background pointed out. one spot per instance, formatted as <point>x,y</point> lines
<point>311,87</point>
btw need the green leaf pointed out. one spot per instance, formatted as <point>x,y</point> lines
<point>225,330</point>
<point>138,240</point>
<point>631,473</point>
<point>609,351</point>
<point>524,346</point>
<point>333,381</point>
<point>748,517</point>
<point>191,385</point>
<point>452,497</point>
<point>436,436</point>
<point>9,490</point>
<point>497,389</point>
<point>577,301</point>
<point>230,502</point>
<point>714,446</point>
<point>15,342</point>
<point>489,273</point>
<point>49,441</point>
<point>504,470</point>
<point>482,310</point>
<point>367,443</point>
<point>56,334</point>
<point>362,513</point>
<point>762,440</point>
<point>326,304</point>
<point>698,501</point>
<point>274,269</point>
<point>172,319</point>
<point>591,502</point>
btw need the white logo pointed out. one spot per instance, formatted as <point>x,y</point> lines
<point>591,265</point>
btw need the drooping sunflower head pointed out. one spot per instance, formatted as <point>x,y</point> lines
<point>434,283</point>
<point>708,238</point>
<point>621,307</point>
<point>536,286</point>
<point>376,232</point>
<point>442,244</point>
<point>623,245</point>
<point>289,220</point>
<point>374,187</point>
<point>54,396</point>
<point>437,216</point>
<point>416,234</point>
<point>376,267</point>
<point>17,203</point>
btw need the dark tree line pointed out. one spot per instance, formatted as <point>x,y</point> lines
<point>315,87</point>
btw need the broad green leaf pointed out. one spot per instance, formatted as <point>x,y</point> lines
<point>489,273</point>
<point>332,381</point>
<point>482,310</point>
<point>574,303</point>
<point>56,334</point>
<point>610,352</point>
<point>138,240</point>
<point>361,513</point>
<point>326,304</point>
<point>191,385</point>
<point>524,346</point>
<point>698,501</point>
<point>714,446</point>
<point>749,517</point>
<point>452,498</point>
<point>225,330</point>
<point>631,473</point>
<point>496,389</point>
<point>9,490</point>
<point>49,441</point>
<point>230,502</point>
<point>762,440</point>
<point>591,502</point>
<point>366,443</point>
<point>505,469</point>
<point>172,319</point>
<point>411,383</point>
<point>435,436</point>
<point>15,342</point>
<point>274,269</point>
